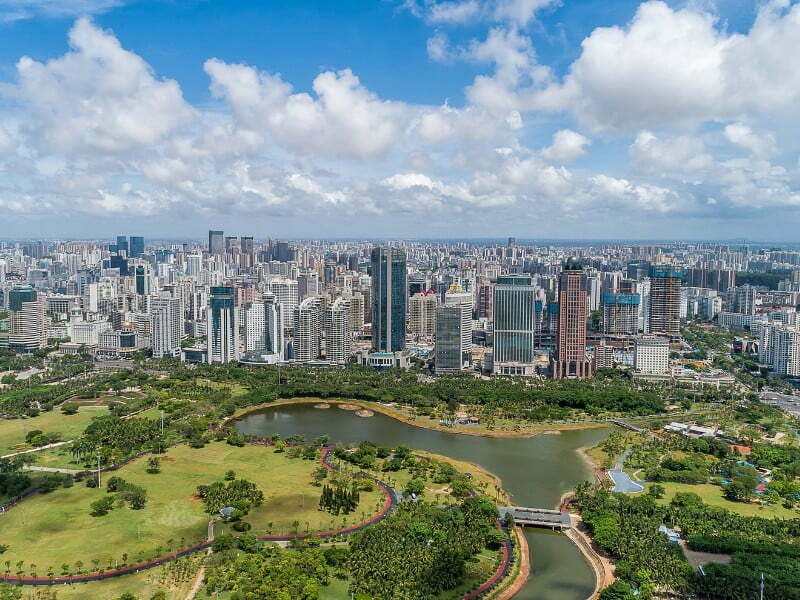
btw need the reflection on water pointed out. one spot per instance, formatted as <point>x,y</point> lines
<point>536,471</point>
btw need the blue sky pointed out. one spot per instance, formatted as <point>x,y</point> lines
<point>404,118</point>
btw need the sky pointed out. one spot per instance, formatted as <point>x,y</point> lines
<point>400,118</point>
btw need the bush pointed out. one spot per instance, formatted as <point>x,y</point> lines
<point>242,526</point>
<point>101,506</point>
<point>69,408</point>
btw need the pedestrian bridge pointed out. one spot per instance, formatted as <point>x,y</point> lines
<point>537,517</point>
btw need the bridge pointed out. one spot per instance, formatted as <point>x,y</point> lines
<point>537,517</point>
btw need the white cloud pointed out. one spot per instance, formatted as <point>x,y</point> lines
<point>567,146</point>
<point>743,136</point>
<point>682,154</point>
<point>681,67</point>
<point>461,12</point>
<point>344,119</point>
<point>98,96</point>
<point>456,11</point>
<point>16,10</point>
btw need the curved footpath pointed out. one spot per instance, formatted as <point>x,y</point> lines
<point>390,503</point>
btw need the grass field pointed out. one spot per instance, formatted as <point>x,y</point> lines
<point>12,431</point>
<point>54,529</point>
<point>175,579</point>
<point>712,495</point>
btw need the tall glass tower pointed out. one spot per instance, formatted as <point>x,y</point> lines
<point>223,328</point>
<point>514,325</point>
<point>389,299</point>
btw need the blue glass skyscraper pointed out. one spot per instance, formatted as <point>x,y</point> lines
<point>389,299</point>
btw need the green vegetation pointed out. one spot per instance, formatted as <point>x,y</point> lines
<point>626,527</point>
<point>13,432</point>
<point>57,528</point>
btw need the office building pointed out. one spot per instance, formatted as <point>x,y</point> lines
<point>216,241</point>
<point>274,342</point>
<point>651,355</point>
<point>252,318</point>
<point>389,298</point>
<point>620,314</point>
<point>166,326</point>
<point>136,246</point>
<point>514,325</point>
<point>570,359</point>
<point>665,300</point>
<point>27,330</point>
<point>222,326</point>
<point>422,315</point>
<point>448,351</point>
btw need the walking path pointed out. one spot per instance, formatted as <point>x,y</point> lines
<point>39,449</point>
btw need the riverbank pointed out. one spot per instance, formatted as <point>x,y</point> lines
<point>601,565</point>
<point>430,424</point>
<point>523,568</point>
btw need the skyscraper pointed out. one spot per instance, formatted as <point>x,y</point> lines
<point>665,300</point>
<point>338,334</point>
<point>27,319</point>
<point>122,245</point>
<point>448,351</point>
<point>142,280</point>
<point>422,318</point>
<point>570,358</point>
<point>514,325</point>
<point>216,241</point>
<point>222,326</point>
<point>621,314</point>
<point>166,323</point>
<point>389,299</point>
<point>254,327</point>
<point>308,329</point>
<point>273,323</point>
<point>136,246</point>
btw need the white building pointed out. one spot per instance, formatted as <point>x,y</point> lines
<point>338,333</point>
<point>166,327</point>
<point>780,347</point>
<point>251,316</point>
<point>651,355</point>
<point>308,329</point>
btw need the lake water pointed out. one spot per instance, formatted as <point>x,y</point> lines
<point>535,471</point>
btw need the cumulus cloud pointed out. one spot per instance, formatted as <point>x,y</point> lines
<point>681,154</point>
<point>743,136</point>
<point>460,12</point>
<point>567,146</point>
<point>680,67</point>
<point>98,96</point>
<point>342,119</point>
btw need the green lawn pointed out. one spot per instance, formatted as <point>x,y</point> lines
<point>713,496</point>
<point>57,528</point>
<point>13,431</point>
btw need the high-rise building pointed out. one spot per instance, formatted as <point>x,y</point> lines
<point>570,358</point>
<point>166,324</point>
<point>651,355</point>
<point>742,299</point>
<point>122,245</point>
<point>338,333</point>
<point>231,244</point>
<point>27,330</point>
<point>308,320</point>
<point>779,347</point>
<point>286,293</point>
<point>665,300</point>
<point>389,297</point>
<point>621,314</point>
<point>216,241</point>
<point>222,326</point>
<point>485,306</point>
<point>136,246</point>
<point>274,342</point>
<point>449,329</point>
<point>142,280</point>
<point>254,327</point>
<point>464,300</point>
<point>194,265</point>
<point>422,314</point>
<point>514,325</point>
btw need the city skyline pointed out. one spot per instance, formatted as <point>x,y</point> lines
<point>434,120</point>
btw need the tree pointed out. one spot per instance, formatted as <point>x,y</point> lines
<point>657,491</point>
<point>415,487</point>
<point>619,590</point>
<point>153,465</point>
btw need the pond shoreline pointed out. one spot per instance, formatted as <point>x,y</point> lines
<point>544,429</point>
